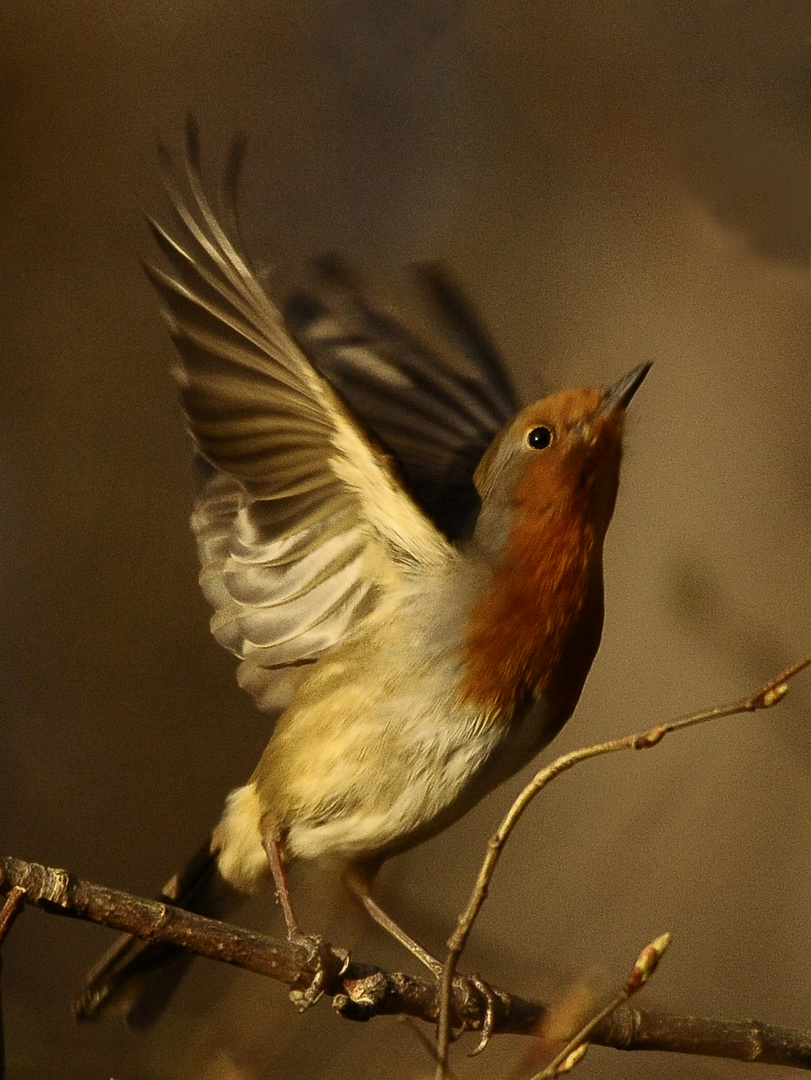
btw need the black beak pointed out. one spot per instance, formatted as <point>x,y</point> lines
<point>619,395</point>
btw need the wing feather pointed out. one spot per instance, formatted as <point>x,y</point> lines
<point>304,524</point>
<point>436,416</point>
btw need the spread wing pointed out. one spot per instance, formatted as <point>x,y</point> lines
<point>438,418</point>
<point>303,527</point>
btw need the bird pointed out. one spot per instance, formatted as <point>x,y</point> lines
<point>408,566</point>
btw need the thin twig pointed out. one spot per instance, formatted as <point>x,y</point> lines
<point>764,698</point>
<point>644,966</point>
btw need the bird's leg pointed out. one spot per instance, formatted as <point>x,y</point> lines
<point>360,885</point>
<point>359,880</point>
<point>323,955</point>
<point>273,851</point>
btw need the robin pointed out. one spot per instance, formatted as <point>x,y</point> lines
<point>408,567</point>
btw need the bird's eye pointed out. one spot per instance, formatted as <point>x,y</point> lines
<point>540,438</point>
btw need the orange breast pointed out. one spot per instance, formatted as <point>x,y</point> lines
<point>536,628</point>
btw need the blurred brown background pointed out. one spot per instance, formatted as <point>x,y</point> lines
<point>613,182</point>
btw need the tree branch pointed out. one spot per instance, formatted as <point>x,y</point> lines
<point>364,990</point>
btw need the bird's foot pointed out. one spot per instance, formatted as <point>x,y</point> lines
<point>491,1001</point>
<point>475,989</point>
<point>325,963</point>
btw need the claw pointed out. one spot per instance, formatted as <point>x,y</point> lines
<point>322,962</point>
<point>489,1022</point>
<point>345,957</point>
<point>473,985</point>
<point>310,995</point>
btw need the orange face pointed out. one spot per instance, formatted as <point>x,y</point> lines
<point>558,456</point>
<point>574,455</point>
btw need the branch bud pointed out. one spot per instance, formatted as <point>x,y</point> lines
<point>646,963</point>
<point>772,696</point>
<point>650,738</point>
<point>572,1059</point>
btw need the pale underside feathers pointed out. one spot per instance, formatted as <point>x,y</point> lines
<point>304,525</point>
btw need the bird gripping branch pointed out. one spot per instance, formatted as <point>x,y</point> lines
<point>410,573</point>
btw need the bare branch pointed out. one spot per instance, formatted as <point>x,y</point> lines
<point>572,1053</point>
<point>742,1040</point>
<point>364,991</point>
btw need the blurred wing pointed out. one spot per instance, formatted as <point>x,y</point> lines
<point>438,418</point>
<point>304,525</point>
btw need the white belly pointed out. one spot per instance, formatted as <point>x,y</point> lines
<point>444,765</point>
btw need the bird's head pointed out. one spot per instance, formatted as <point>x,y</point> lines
<point>559,455</point>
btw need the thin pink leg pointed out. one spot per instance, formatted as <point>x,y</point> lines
<point>273,850</point>
<point>360,885</point>
<point>323,956</point>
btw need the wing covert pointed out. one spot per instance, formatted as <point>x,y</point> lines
<point>437,417</point>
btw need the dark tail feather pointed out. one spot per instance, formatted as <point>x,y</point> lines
<point>136,979</point>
